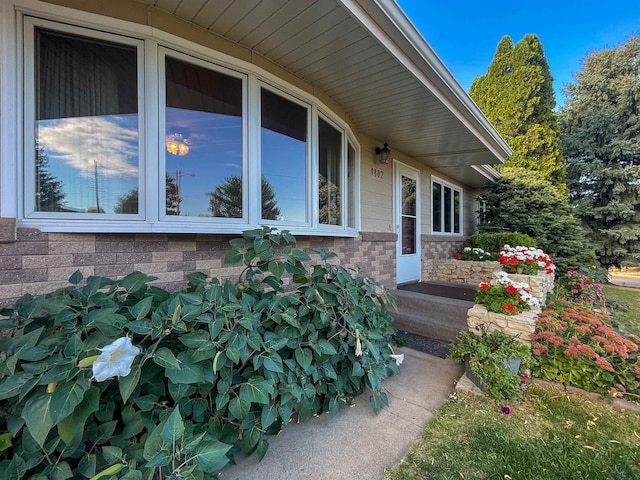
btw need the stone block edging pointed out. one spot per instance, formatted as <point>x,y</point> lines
<point>617,402</point>
<point>519,326</point>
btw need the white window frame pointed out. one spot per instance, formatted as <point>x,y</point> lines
<point>18,129</point>
<point>454,188</point>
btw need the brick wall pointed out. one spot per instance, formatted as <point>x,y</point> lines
<point>37,262</point>
<point>436,247</point>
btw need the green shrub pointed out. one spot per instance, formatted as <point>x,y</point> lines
<point>219,366</point>
<point>493,242</point>
<point>576,345</point>
<point>522,201</point>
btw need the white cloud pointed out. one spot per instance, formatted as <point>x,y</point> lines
<point>82,141</point>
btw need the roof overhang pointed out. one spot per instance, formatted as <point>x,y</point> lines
<point>368,57</point>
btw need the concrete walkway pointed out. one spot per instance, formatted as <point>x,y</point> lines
<point>357,444</point>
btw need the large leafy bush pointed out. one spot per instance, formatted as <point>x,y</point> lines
<point>220,365</point>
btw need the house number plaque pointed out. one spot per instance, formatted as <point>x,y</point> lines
<point>376,172</point>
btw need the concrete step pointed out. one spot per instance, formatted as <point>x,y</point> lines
<point>431,316</point>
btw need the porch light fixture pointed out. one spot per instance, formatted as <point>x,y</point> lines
<point>177,144</point>
<point>384,153</point>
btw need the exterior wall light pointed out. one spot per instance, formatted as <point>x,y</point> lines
<point>384,153</point>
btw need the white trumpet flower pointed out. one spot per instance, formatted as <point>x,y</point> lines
<point>115,359</point>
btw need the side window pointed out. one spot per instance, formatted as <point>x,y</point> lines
<point>86,125</point>
<point>446,208</point>
<point>329,174</point>
<point>284,164</point>
<point>203,142</point>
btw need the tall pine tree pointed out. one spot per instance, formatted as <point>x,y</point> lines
<point>600,125</point>
<point>517,96</point>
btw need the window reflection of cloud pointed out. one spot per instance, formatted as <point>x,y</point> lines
<point>81,141</point>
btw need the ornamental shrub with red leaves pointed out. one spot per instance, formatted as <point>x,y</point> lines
<point>577,346</point>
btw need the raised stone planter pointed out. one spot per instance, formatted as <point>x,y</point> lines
<point>519,326</point>
<point>466,272</point>
<point>539,285</point>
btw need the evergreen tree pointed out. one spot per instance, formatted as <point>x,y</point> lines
<point>49,190</point>
<point>600,126</point>
<point>128,203</point>
<point>226,200</point>
<point>516,94</point>
<point>521,201</point>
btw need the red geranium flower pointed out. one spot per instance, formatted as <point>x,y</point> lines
<point>485,286</point>
<point>511,289</point>
<point>508,307</point>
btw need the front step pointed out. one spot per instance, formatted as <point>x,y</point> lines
<point>431,316</point>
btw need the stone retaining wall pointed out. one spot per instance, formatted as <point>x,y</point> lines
<point>461,271</point>
<point>539,285</point>
<point>519,326</point>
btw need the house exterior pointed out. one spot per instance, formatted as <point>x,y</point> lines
<point>145,134</point>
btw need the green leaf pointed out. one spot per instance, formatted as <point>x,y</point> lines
<point>375,403</point>
<point>74,346</point>
<point>135,281</point>
<point>187,374</point>
<point>76,277</point>
<point>37,417</point>
<point>173,428</point>
<point>195,339</point>
<point>142,308</point>
<point>211,456</point>
<point>273,362</point>
<point>239,408</point>
<point>16,469</point>
<point>304,356</point>
<point>165,358</point>
<point>66,397</point>
<point>141,327</point>
<point>232,256</point>
<point>61,471</point>
<point>357,370</point>
<point>129,383</point>
<point>233,353</point>
<point>10,386</point>
<point>325,347</point>
<point>5,441</point>
<point>112,454</point>
<point>254,392</point>
<point>277,269</point>
<point>268,416</point>
<point>69,426</point>
<point>25,341</point>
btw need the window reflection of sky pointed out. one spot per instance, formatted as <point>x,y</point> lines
<point>86,153</point>
<point>284,167</point>
<point>215,154</point>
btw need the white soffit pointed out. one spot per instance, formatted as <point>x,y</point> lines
<point>369,58</point>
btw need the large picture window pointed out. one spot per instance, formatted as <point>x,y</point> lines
<point>132,134</point>
<point>446,208</point>
<point>86,125</point>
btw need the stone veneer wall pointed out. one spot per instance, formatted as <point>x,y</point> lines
<point>37,262</point>
<point>435,248</point>
<point>462,271</point>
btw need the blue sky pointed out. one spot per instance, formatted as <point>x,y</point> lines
<point>465,34</point>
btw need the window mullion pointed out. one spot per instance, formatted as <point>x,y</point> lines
<point>151,120</point>
<point>313,178</point>
<point>252,184</point>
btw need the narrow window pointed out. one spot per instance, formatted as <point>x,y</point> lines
<point>329,178</point>
<point>86,125</point>
<point>437,206</point>
<point>203,142</point>
<point>456,211</point>
<point>351,186</point>
<point>283,147</point>
<point>447,209</point>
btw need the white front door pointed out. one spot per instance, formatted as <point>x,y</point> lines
<point>406,196</point>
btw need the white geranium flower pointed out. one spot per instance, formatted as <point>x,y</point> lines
<point>398,358</point>
<point>115,359</point>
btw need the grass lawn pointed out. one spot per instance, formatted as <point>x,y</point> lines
<point>629,321</point>
<point>554,435</point>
